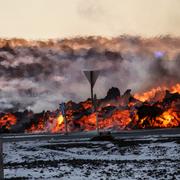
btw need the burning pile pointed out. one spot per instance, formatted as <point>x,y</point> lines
<point>157,108</point>
<point>37,75</point>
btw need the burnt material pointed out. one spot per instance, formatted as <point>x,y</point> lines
<point>112,93</point>
<point>114,111</point>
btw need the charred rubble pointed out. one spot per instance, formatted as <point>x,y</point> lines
<point>115,111</point>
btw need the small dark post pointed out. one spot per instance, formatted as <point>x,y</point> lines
<point>65,122</point>
<point>91,80</point>
<point>95,110</point>
<point>1,160</point>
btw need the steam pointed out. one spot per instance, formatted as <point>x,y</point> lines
<point>40,75</point>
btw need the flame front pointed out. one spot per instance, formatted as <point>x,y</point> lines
<point>58,124</point>
<point>157,108</point>
<point>157,93</point>
<point>7,120</point>
<point>169,119</point>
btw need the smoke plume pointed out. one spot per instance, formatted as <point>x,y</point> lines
<point>39,75</point>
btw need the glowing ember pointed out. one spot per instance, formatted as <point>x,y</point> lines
<point>175,89</point>
<point>7,121</point>
<point>156,108</point>
<point>119,120</point>
<point>37,128</point>
<point>58,122</point>
<point>169,119</point>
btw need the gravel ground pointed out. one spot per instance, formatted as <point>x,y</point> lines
<point>145,158</point>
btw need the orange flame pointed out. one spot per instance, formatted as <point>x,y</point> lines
<point>110,115</point>
<point>154,92</point>
<point>169,119</point>
<point>40,127</point>
<point>58,122</point>
<point>8,120</point>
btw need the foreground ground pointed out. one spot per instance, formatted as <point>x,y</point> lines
<point>143,158</point>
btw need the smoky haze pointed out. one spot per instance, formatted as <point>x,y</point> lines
<point>44,19</point>
<point>39,75</point>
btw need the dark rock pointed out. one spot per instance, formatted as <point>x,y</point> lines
<point>112,93</point>
<point>170,97</point>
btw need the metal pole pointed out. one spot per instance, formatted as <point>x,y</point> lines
<point>97,123</point>
<point>1,160</point>
<point>95,110</point>
<point>93,99</point>
<point>65,123</point>
<point>92,77</point>
<point>91,80</point>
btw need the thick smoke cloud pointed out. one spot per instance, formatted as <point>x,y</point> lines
<point>39,75</point>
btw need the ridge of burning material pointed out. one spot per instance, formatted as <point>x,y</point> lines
<point>115,111</point>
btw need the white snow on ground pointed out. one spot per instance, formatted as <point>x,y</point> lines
<point>93,160</point>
